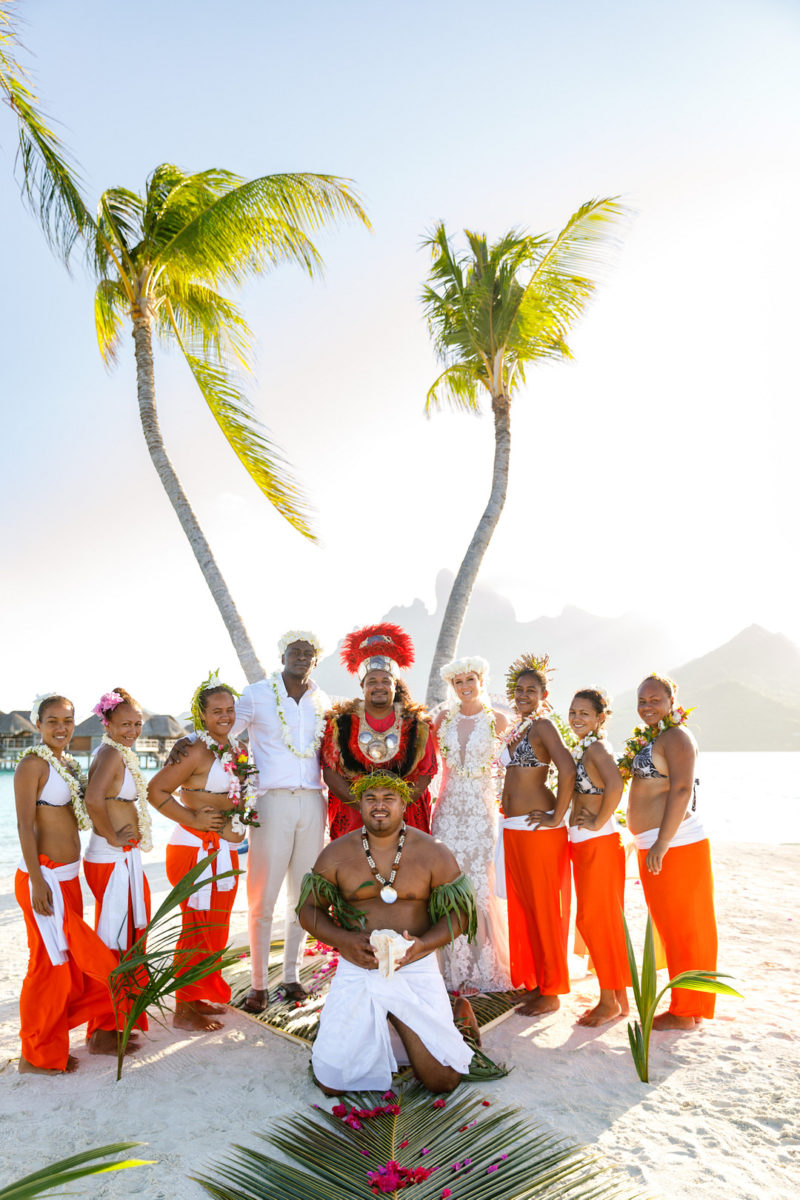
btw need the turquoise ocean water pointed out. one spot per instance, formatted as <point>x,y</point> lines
<point>744,797</point>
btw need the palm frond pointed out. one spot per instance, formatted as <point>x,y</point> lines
<point>151,970</point>
<point>457,386</point>
<point>207,321</point>
<point>479,1152</point>
<point>50,181</point>
<point>118,231</point>
<point>67,1170</point>
<point>110,307</point>
<point>251,226</point>
<point>261,459</point>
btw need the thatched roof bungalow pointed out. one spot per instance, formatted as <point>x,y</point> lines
<point>17,733</point>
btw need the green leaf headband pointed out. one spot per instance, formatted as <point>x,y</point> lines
<point>526,662</point>
<point>213,681</point>
<point>382,779</point>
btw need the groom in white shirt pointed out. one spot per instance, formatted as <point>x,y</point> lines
<point>284,716</point>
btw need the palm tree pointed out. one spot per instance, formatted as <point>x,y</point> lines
<point>160,260</point>
<point>49,183</point>
<point>492,312</point>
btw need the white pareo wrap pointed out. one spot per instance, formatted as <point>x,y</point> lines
<point>127,879</point>
<point>201,899</point>
<point>353,1048</point>
<point>52,927</point>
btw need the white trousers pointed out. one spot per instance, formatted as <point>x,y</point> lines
<point>285,845</point>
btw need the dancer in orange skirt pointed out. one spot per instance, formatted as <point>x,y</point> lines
<point>533,851</point>
<point>116,801</point>
<point>66,982</point>
<point>674,852</point>
<point>213,778</point>
<point>598,858</point>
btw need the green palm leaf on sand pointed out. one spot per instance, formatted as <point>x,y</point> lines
<point>647,999</point>
<point>149,972</point>
<point>479,1152</point>
<point>67,1170</point>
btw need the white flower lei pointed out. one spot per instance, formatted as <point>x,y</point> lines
<point>580,748</point>
<point>319,722</point>
<point>448,749</point>
<point>131,761</point>
<point>227,756</point>
<point>75,780</point>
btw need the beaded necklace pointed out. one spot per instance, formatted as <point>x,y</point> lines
<point>388,892</point>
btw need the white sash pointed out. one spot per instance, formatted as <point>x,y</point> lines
<point>201,899</point>
<point>52,927</point>
<point>577,833</point>
<point>690,830</point>
<point>112,928</point>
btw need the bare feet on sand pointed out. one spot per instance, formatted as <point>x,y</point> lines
<point>213,1009</point>
<point>612,1004</point>
<point>669,1020</point>
<point>192,1017</point>
<point>256,1000</point>
<point>104,1041</point>
<point>536,1004</point>
<point>464,1017</point>
<point>26,1068</point>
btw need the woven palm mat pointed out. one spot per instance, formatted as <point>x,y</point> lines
<point>299,1020</point>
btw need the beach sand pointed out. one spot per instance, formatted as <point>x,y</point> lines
<point>720,1120</point>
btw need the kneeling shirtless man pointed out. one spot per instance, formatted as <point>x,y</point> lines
<point>387,876</point>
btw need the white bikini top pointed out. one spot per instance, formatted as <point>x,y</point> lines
<point>217,779</point>
<point>55,793</point>
<point>128,789</point>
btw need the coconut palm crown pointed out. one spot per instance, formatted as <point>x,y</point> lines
<point>49,181</point>
<point>493,311</point>
<point>160,261</point>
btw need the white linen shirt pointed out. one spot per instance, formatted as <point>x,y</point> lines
<point>257,712</point>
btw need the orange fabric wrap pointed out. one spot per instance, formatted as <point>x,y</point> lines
<point>56,999</point>
<point>681,903</point>
<point>202,932</point>
<point>599,868</point>
<point>539,893</point>
<point>97,877</point>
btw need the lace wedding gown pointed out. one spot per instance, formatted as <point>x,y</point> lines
<point>466,819</point>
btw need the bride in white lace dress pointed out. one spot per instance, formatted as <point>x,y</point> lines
<point>466,819</point>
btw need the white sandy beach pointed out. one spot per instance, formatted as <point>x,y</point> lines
<point>721,1118</point>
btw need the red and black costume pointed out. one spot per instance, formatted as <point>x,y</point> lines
<point>403,742</point>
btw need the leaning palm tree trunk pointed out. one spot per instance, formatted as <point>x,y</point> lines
<point>456,609</point>
<point>142,336</point>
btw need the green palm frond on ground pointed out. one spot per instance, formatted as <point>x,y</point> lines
<point>148,973</point>
<point>50,183</point>
<point>68,1170</point>
<point>478,1152</point>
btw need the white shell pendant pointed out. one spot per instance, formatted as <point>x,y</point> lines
<point>388,894</point>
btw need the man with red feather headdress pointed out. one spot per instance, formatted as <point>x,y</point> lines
<point>383,729</point>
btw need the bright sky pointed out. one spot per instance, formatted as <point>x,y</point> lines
<point>655,473</point>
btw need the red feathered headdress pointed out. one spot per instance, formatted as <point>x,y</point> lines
<point>377,647</point>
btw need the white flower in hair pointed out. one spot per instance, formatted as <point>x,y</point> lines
<point>299,635</point>
<point>37,704</point>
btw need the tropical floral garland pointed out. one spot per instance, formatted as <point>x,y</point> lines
<point>69,770</point>
<point>131,761</point>
<point>643,734</point>
<point>449,749</point>
<point>579,749</point>
<point>240,771</point>
<point>319,722</point>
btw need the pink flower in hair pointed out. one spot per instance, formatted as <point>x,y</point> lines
<point>107,704</point>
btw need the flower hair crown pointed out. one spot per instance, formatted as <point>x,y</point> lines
<point>382,779</point>
<point>213,681</point>
<point>300,635</point>
<point>540,663</point>
<point>38,702</point>
<point>463,666</point>
<point>106,704</point>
